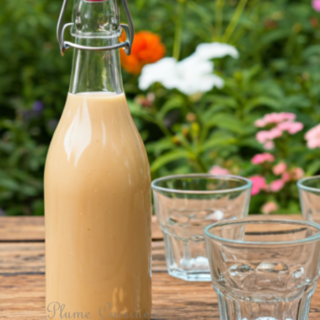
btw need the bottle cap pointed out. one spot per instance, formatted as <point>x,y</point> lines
<point>128,28</point>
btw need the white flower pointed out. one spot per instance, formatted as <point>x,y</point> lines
<point>191,75</point>
<point>216,50</point>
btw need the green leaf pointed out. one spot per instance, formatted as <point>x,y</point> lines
<point>9,185</point>
<point>216,142</point>
<point>136,109</point>
<point>144,135</point>
<point>224,101</point>
<point>296,101</point>
<point>273,36</point>
<point>169,157</point>
<point>313,168</point>
<point>160,145</point>
<point>215,108</point>
<point>311,51</point>
<point>227,121</point>
<point>173,103</point>
<point>38,208</point>
<point>248,75</point>
<point>252,143</point>
<point>262,101</point>
<point>28,190</point>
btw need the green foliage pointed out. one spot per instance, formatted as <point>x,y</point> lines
<point>278,70</point>
<point>33,85</point>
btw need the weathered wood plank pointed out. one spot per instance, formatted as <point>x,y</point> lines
<point>19,257</point>
<point>31,229</point>
<point>22,258</point>
<point>156,231</point>
<point>23,297</point>
<point>28,258</point>
<point>158,257</point>
<point>21,228</point>
<point>22,279</point>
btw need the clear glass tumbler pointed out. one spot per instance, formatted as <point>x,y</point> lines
<point>309,192</point>
<point>185,205</point>
<point>264,270</point>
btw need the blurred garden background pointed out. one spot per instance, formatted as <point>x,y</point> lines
<point>251,107</point>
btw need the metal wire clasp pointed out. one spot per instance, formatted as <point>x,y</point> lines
<point>65,45</point>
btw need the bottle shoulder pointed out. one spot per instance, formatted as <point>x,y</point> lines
<point>95,131</point>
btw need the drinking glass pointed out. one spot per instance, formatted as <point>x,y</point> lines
<point>264,269</point>
<point>185,205</point>
<point>309,192</point>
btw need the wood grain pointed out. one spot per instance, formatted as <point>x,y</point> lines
<point>24,258</point>
<point>29,258</point>
<point>22,278</point>
<point>31,229</point>
<point>22,229</point>
<point>22,297</point>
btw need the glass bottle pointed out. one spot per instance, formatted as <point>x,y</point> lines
<point>97,186</point>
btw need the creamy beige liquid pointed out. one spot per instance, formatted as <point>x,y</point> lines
<point>97,208</point>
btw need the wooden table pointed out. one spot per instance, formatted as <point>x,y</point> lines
<point>22,278</point>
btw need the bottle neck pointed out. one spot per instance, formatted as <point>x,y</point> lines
<point>94,71</point>
<point>96,24</point>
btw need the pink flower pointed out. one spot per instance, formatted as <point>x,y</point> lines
<point>284,116</point>
<point>279,168</point>
<point>275,133</point>
<point>313,143</point>
<point>216,170</point>
<point>289,116</point>
<point>296,127</point>
<point>265,136</point>
<point>313,133</point>
<point>274,118</point>
<point>313,137</point>
<point>316,5</point>
<point>269,207</point>
<point>258,184</point>
<point>260,123</point>
<point>269,145</point>
<point>297,173</point>
<point>262,136</point>
<point>262,157</point>
<point>286,176</point>
<point>277,185</point>
<point>291,127</point>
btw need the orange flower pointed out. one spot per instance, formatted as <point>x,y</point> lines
<point>146,48</point>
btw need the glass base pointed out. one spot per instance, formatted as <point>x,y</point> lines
<point>244,307</point>
<point>186,259</point>
<point>190,276</point>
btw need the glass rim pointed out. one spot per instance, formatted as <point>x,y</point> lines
<point>247,185</point>
<point>300,184</point>
<point>303,223</point>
